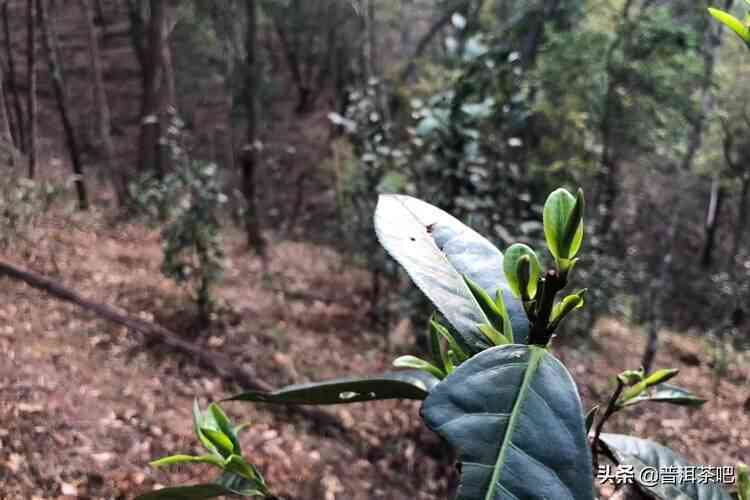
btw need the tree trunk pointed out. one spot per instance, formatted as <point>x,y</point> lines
<point>739,230</point>
<point>167,92</point>
<point>249,158</point>
<point>138,34</point>
<point>100,16</point>
<point>49,40</point>
<point>17,128</point>
<point>712,42</point>
<point>7,135</point>
<point>150,106</point>
<point>104,117</point>
<point>607,177</point>
<point>31,78</point>
<point>712,221</point>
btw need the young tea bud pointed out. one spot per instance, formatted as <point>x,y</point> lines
<point>522,270</point>
<point>563,225</point>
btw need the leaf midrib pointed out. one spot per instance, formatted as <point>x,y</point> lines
<point>533,364</point>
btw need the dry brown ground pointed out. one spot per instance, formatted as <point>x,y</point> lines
<point>85,405</point>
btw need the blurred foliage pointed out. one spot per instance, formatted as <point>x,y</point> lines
<point>22,202</point>
<point>185,203</point>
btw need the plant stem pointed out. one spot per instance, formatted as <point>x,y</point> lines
<point>611,409</point>
<point>553,283</point>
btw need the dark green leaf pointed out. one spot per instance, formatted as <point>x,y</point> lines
<point>667,393</point>
<point>407,384</point>
<point>437,250</point>
<point>642,453</point>
<point>514,415</point>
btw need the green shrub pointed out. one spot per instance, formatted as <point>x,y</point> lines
<point>186,203</point>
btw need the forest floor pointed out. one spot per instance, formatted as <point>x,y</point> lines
<point>84,404</point>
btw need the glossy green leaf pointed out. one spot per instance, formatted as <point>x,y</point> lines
<point>515,418</point>
<point>667,393</point>
<point>495,312</point>
<point>407,384</point>
<point>661,376</point>
<point>239,466</point>
<point>642,454</point>
<point>198,422</point>
<point>732,23</point>
<point>561,310</point>
<point>437,250</point>
<point>418,364</point>
<point>225,426</point>
<point>563,224</point>
<point>220,440</point>
<point>436,349</point>
<point>638,389</point>
<point>184,459</point>
<point>452,344</point>
<point>511,266</point>
<point>495,337</point>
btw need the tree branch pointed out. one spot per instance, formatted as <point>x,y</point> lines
<point>219,364</point>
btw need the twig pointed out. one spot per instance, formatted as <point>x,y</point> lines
<point>611,409</point>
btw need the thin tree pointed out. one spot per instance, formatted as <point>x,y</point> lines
<point>255,239</point>
<point>5,131</point>
<point>17,127</point>
<point>31,78</point>
<point>103,115</point>
<point>49,41</point>
<point>150,106</point>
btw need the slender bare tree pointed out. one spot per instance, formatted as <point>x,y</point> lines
<point>249,152</point>
<point>31,78</point>
<point>150,106</point>
<point>14,106</point>
<point>103,115</point>
<point>49,42</point>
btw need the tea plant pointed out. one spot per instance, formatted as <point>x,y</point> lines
<point>220,439</point>
<point>493,388</point>
<point>186,203</point>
